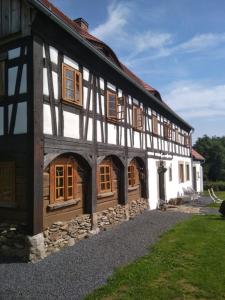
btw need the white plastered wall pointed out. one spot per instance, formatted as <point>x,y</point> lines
<point>199,176</point>
<point>173,188</point>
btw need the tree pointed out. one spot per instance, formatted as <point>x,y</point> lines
<point>213,149</point>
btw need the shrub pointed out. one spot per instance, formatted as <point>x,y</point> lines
<point>216,185</point>
<point>222,208</point>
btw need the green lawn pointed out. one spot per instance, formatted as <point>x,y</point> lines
<point>187,263</point>
<point>220,194</point>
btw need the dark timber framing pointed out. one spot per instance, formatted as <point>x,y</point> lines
<point>38,149</point>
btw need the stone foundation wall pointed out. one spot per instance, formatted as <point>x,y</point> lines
<point>13,241</point>
<point>13,238</point>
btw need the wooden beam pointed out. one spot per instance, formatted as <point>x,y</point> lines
<point>36,109</point>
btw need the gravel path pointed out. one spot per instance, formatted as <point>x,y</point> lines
<point>78,270</point>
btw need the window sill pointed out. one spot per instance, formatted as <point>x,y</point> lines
<point>55,206</point>
<point>7,205</point>
<point>133,188</point>
<point>113,120</point>
<point>80,106</point>
<point>105,195</point>
<point>138,129</point>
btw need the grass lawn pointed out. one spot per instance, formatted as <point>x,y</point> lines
<point>187,263</point>
<point>220,194</point>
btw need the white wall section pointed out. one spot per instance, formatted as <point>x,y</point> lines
<point>1,120</point>
<point>71,125</point>
<point>14,53</point>
<point>47,119</point>
<point>12,75</point>
<point>21,119</point>
<point>23,84</point>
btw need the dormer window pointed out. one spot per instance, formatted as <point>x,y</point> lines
<point>71,85</point>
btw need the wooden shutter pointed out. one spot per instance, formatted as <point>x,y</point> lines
<point>78,88</point>
<point>7,182</point>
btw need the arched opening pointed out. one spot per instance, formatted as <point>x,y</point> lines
<point>137,179</point>
<point>110,183</point>
<point>67,188</point>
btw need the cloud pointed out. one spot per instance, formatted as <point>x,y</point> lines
<point>152,40</point>
<point>118,15</point>
<point>199,43</point>
<point>196,100</point>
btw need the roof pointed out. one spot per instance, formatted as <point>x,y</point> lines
<point>77,31</point>
<point>196,155</point>
<point>96,42</point>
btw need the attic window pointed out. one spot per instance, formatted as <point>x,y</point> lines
<point>71,85</point>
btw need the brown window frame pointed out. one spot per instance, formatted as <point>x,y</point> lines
<point>155,123</point>
<point>104,181</point>
<point>2,78</point>
<point>121,102</point>
<point>181,172</point>
<point>177,136</point>
<point>167,130</point>
<point>8,168</point>
<point>186,140</point>
<point>64,164</point>
<point>74,100</point>
<point>138,119</point>
<point>131,176</point>
<point>187,172</point>
<point>111,117</point>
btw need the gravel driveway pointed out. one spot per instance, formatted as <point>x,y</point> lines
<point>78,270</point>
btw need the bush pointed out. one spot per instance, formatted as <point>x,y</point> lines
<point>216,185</point>
<point>222,208</point>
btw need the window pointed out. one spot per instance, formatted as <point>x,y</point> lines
<point>71,85</point>
<point>2,78</point>
<point>131,175</point>
<point>170,173</point>
<point>181,172</point>
<point>187,172</point>
<point>112,106</point>
<point>154,124</point>
<point>167,130</point>
<point>177,139</point>
<point>64,175</point>
<point>186,140</point>
<point>105,182</point>
<point>7,183</point>
<point>137,118</point>
<point>121,108</point>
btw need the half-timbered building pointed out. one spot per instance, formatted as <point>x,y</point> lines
<point>79,132</point>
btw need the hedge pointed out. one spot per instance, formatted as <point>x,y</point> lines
<point>216,185</point>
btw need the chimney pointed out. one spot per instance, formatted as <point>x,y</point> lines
<point>82,23</point>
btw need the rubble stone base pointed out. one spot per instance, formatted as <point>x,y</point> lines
<point>15,242</point>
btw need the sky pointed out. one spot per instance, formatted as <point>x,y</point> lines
<point>176,46</point>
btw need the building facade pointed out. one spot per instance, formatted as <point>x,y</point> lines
<point>80,134</point>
